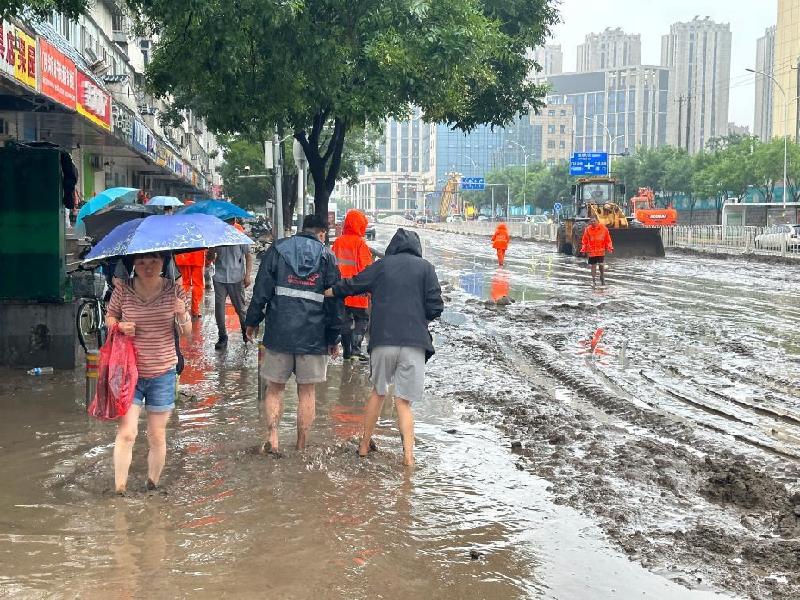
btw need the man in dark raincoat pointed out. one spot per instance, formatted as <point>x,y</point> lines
<point>302,326</point>
<point>406,297</point>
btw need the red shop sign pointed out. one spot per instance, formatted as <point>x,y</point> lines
<point>58,76</point>
<point>93,103</point>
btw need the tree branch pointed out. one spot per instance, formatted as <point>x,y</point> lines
<point>337,142</point>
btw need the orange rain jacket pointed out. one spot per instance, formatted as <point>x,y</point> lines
<point>596,240</point>
<point>353,253</point>
<point>191,259</point>
<point>501,237</point>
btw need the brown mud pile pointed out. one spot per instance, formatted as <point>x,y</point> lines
<point>691,500</point>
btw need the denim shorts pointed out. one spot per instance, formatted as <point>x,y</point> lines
<point>156,394</point>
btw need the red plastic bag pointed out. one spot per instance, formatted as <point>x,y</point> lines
<point>117,377</point>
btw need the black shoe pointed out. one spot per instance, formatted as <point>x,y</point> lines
<point>221,344</point>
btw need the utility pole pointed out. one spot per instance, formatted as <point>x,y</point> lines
<point>680,117</point>
<point>688,119</point>
<point>277,153</point>
<point>301,162</point>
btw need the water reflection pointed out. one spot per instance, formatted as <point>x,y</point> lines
<point>498,282</point>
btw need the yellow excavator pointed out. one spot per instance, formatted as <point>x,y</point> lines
<point>603,196</point>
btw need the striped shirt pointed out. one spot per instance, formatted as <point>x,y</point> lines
<point>155,325</point>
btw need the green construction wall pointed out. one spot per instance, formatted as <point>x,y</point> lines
<point>32,261</point>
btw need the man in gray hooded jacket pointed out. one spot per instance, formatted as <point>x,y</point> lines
<point>406,297</point>
<point>302,326</point>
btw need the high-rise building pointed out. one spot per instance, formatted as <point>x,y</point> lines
<point>418,158</point>
<point>398,181</point>
<point>550,58</point>
<point>557,123</point>
<point>787,60</point>
<point>610,49</point>
<point>616,110</point>
<point>699,54</point>
<point>765,62</point>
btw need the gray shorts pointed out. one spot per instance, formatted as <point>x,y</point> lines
<point>307,368</point>
<point>403,366</point>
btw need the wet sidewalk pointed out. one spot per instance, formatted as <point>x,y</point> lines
<point>465,523</point>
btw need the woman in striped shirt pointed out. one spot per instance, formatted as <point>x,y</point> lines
<point>148,307</point>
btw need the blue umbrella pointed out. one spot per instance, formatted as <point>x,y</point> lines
<point>217,208</point>
<point>164,201</point>
<point>167,233</point>
<point>101,200</point>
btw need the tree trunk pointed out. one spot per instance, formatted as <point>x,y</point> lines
<point>324,157</point>
<point>289,188</point>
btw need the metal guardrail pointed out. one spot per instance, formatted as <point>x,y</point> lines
<point>709,238</point>
<point>732,239</point>
<point>538,232</point>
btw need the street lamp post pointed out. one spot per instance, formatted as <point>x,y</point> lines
<point>785,126</point>
<point>607,131</point>
<point>525,176</point>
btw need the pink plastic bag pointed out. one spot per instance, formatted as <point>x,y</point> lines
<point>117,377</point>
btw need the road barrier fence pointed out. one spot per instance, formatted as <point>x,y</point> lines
<point>708,238</point>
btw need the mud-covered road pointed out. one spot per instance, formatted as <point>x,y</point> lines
<point>664,470</point>
<point>680,433</point>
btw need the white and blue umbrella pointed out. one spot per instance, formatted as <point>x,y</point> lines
<point>166,233</point>
<point>164,201</point>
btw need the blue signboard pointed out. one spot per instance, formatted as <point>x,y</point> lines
<point>473,183</point>
<point>588,163</point>
<point>557,207</point>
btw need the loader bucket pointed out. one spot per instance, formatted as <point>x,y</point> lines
<point>637,241</point>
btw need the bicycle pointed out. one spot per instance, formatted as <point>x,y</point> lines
<point>89,287</point>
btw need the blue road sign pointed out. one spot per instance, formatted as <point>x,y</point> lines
<point>588,163</point>
<point>557,207</point>
<point>473,183</point>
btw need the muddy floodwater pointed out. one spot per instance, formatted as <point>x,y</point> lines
<point>664,470</point>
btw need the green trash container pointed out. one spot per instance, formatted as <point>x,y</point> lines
<point>32,248</point>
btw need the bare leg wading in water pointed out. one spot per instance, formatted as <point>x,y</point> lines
<point>405,423</point>
<point>127,431</point>
<point>273,411</point>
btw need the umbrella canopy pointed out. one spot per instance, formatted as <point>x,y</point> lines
<point>217,208</point>
<point>166,233</point>
<point>100,224</point>
<point>164,201</point>
<point>104,198</point>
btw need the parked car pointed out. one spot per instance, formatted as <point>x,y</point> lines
<point>423,219</point>
<point>454,219</point>
<point>773,237</point>
<point>483,218</point>
<point>370,232</point>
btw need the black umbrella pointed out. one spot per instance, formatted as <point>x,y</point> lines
<point>99,224</point>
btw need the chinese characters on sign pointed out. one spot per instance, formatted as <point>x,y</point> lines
<point>93,103</point>
<point>17,54</point>
<point>58,75</point>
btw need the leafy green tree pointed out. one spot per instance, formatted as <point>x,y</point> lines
<point>42,8</point>
<point>245,158</point>
<point>322,68</point>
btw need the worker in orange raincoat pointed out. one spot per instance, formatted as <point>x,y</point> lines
<point>353,255</point>
<point>500,241</point>
<point>596,241</point>
<point>191,265</point>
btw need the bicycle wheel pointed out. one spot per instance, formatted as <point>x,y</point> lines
<point>88,325</point>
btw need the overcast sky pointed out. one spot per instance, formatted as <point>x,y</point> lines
<point>747,18</point>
